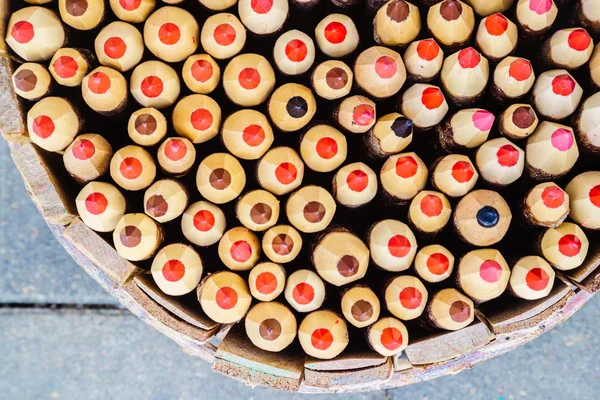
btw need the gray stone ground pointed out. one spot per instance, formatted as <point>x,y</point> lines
<point>84,354</point>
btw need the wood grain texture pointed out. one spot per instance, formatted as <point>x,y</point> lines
<point>444,346</point>
<point>161,314</point>
<point>526,314</point>
<point>177,306</point>
<point>352,379</point>
<point>44,185</point>
<point>350,359</point>
<point>237,357</point>
<point>117,269</point>
<point>13,123</point>
<point>591,284</point>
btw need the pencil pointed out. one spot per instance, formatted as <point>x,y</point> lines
<point>551,151</point>
<point>518,121</point>
<point>53,123</point>
<point>332,79</point>
<point>263,17</point>
<point>340,257</point>
<point>166,200</point>
<point>429,212</point>
<point>248,80</point>
<point>451,22</point>
<point>280,171</point>
<point>465,130</point>
<point>203,223</point>
<point>397,23</point>
<point>323,334</point>
<point>392,245</point>
<point>154,84</point>
<point>388,336</point>
<point>294,52</point>
<point>405,297</point>
<point>104,90</point>
<point>391,134</point>
<point>120,46</point>
<point>450,310</point>
<point>305,291</point>
<point>281,243</point>
<point>356,114</point>
<point>133,11</point>
<point>500,162</point>
<point>137,237</point>
<point>220,178</point>
<point>223,36</point>
<point>423,60</point>
<point>336,35</point>
<point>584,196</point>
<point>201,73</point>
<point>68,66</point>
<point>310,209</point>
<point>556,94</point>
<point>496,36</point>
<point>224,297</point>
<point>434,263</point>
<point>360,306</point>
<point>454,175</point>
<point>247,134</point>
<point>402,177</point>
<point>35,33</point>
<point>531,278</point>
<point>482,218</point>
<point>132,168</point>
<point>271,326</point>
<point>483,274</point>
<point>147,126</point>
<point>291,107</point>
<point>266,281</point>
<point>464,76</point>
<point>323,148</point>
<point>88,157</point>
<point>513,79</point>
<point>82,15</point>
<point>355,185</point>
<point>100,206</point>
<point>564,247</point>
<point>424,104</point>
<point>379,72</point>
<point>239,249</point>
<point>197,117</point>
<point>176,156</point>
<point>546,204</point>
<point>257,210</point>
<point>32,81</point>
<point>177,269</point>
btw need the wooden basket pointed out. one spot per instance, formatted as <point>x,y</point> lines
<point>226,348</point>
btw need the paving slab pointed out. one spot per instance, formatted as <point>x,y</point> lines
<point>34,267</point>
<point>109,354</point>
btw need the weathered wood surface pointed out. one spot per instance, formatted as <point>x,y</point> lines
<point>443,346</point>
<point>44,184</point>
<point>176,305</point>
<point>102,254</point>
<point>237,357</point>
